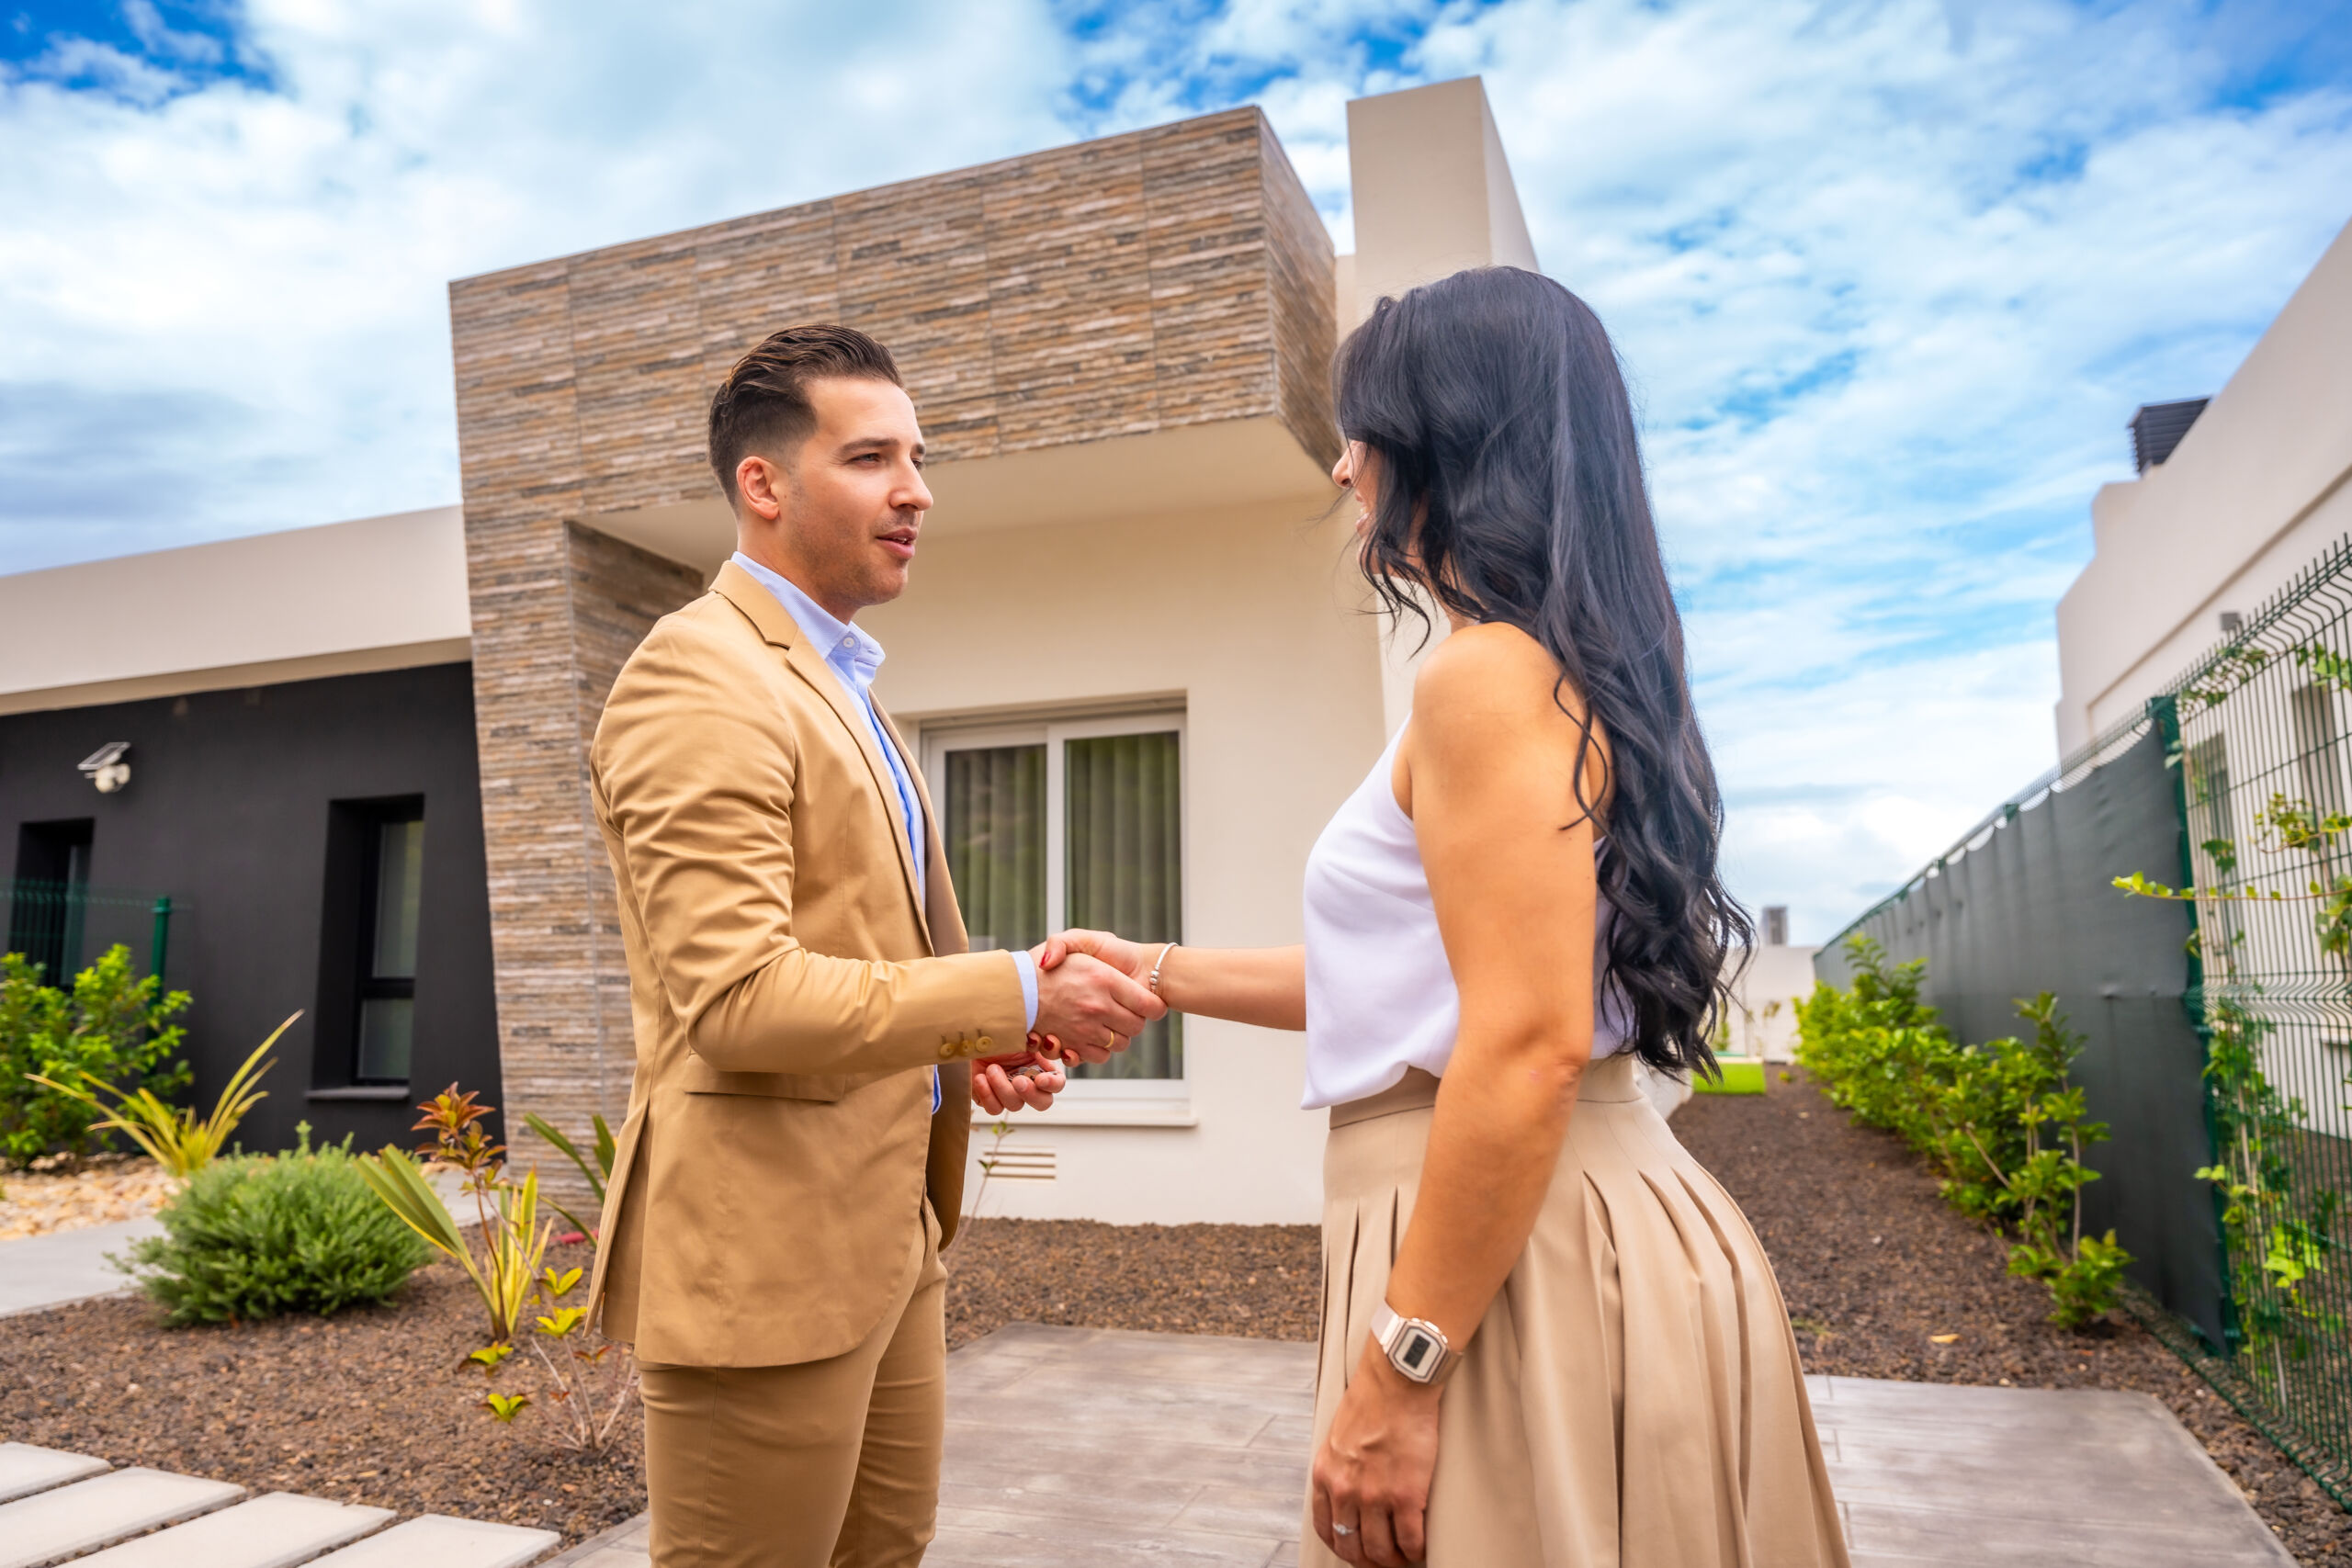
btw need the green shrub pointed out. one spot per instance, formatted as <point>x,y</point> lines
<point>110,1025</point>
<point>254,1235</point>
<point>2000,1122</point>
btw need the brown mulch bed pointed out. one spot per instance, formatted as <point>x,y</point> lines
<point>1258,1281</point>
<point>1874,1265</point>
<point>375,1404</point>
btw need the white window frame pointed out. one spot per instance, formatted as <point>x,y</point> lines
<point>1149,1099</point>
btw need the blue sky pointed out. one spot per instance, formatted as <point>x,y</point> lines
<point>1888,277</point>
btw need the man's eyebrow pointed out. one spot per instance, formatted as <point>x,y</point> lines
<point>875,443</point>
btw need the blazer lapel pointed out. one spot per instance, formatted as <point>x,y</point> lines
<point>781,631</point>
<point>942,921</point>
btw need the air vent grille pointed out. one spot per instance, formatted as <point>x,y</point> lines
<point>1019,1164</point>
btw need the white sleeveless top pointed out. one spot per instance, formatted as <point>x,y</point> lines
<point>1380,996</point>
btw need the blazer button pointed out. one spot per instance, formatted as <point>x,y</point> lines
<point>947,1050</point>
<point>987,1045</point>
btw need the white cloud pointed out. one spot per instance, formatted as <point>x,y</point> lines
<point>1888,275</point>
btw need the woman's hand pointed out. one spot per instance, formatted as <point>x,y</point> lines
<point>1372,1474</point>
<point>1114,951</point>
<point>1132,959</point>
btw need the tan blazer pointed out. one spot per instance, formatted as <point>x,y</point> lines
<point>789,995</point>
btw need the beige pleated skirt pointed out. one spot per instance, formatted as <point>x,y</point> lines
<point>1633,1398</point>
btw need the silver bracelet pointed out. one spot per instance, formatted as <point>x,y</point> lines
<point>1157,965</point>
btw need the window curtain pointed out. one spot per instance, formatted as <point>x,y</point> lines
<point>1124,871</point>
<point>996,843</point>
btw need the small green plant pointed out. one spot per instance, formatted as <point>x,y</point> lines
<point>172,1135</point>
<point>583,1377</point>
<point>2001,1125</point>
<point>597,1174</point>
<point>999,1130</point>
<point>589,1378</point>
<point>109,1025</point>
<point>511,1239</point>
<point>254,1235</point>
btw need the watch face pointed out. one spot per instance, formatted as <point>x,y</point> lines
<point>1416,1354</point>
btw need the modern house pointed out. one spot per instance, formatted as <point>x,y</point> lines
<point>295,716</point>
<point>1139,667</point>
<point>2234,496</point>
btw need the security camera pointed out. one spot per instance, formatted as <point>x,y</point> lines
<point>109,767</point>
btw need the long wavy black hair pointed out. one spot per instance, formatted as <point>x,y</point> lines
<point>1510,490</point>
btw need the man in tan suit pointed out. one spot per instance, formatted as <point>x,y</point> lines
<point>805,1012</point>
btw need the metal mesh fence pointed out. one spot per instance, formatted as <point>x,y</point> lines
<point>62,926</point>
<point>2257,731</point>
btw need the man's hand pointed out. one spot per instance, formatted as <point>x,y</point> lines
<point>1087,1005</point>
<point>1018,1080</point>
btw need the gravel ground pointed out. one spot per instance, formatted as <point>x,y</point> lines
<point>375,1404</point>
<point>1874,1267</point>
<point>106,1189</point>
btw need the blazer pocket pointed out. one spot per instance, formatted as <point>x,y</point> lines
<point>701,1078</point>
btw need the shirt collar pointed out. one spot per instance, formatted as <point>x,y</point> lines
<point>852,652</point>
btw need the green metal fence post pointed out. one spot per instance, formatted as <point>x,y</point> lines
<point>159,944</point>
<point>2164,716</point>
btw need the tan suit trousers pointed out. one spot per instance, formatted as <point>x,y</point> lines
<point>833,1463</point>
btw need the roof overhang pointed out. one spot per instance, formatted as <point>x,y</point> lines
<point>349,598</point>
<point>1176,471</point>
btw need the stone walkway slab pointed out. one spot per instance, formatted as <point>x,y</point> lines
<point>66,1265</point>
<point>1198,1448</point>
<point>1933,1473</point>
<point>70,1520</point>
<point>25,1469</point>
<point>277,1530</point>
<point>437,1541</point>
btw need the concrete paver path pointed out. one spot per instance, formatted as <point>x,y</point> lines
<point>66,1265</point>
<point>1197,1457</point>
<point>75,1520</point>
<point>24,1469</point>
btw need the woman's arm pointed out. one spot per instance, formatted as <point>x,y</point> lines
<point>1264,985</point>
<point>1489,769</point>
<point>1492,772</point>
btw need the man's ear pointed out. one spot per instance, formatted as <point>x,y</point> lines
<point>760,486</point>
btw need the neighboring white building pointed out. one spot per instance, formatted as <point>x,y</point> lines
<point>2252,494</point>
<point>1763,1020</point>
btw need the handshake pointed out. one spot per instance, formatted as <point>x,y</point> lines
<point>1092,998</point>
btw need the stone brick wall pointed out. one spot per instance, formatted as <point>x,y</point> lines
<point>1164,278</point>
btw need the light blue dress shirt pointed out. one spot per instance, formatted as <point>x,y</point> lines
<point>857,658</point>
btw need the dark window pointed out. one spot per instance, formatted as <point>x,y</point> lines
<point>390,903</point>
<point>50,894</point>
<point>371,931</point>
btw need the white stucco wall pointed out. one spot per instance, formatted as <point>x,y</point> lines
<point>2254,493</point>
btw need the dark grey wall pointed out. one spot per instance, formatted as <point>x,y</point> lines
<point>227,811</point>
<point>2033,910</point>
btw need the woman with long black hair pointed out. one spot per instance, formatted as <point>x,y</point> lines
<point>1549,1338</point>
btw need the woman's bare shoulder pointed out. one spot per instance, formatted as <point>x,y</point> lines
<point>1490,671</point>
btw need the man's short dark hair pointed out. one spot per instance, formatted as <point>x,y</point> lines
<point>763,407</point>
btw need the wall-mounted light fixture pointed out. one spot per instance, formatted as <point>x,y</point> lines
<point>109,767</point>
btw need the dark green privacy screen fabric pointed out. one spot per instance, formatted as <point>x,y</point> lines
<point>2030,910</point>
